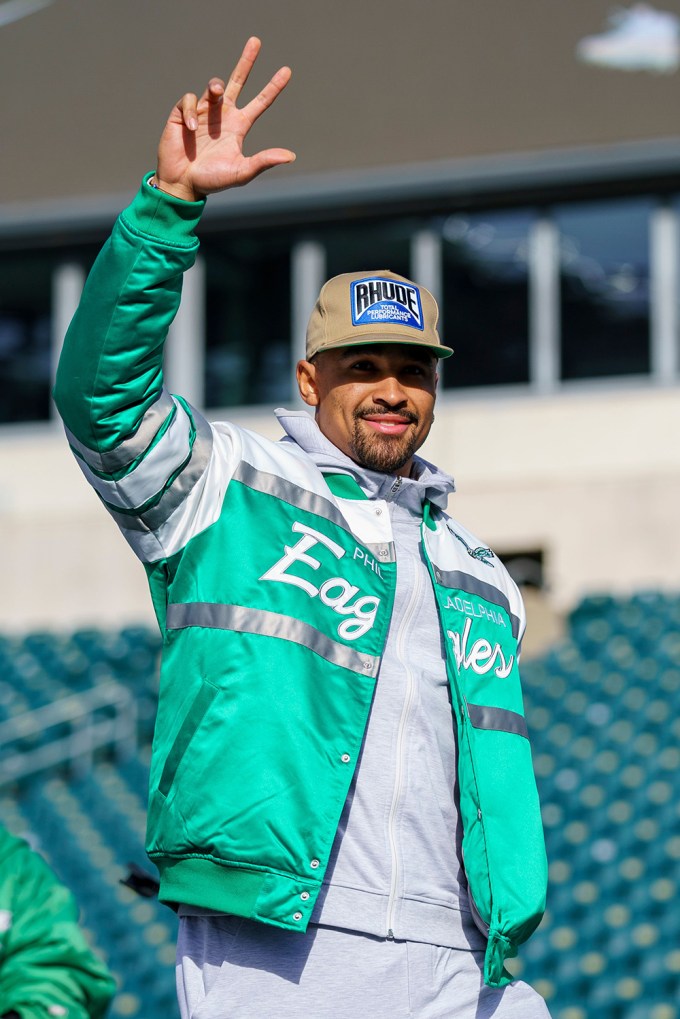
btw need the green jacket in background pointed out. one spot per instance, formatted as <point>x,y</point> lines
<point>46,966</point>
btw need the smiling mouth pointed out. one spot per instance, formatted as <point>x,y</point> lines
<point>387,424</point>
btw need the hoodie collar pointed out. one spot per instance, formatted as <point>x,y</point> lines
<point>429,482</point>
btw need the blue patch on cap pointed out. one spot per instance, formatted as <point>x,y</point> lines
<point>376,300</point>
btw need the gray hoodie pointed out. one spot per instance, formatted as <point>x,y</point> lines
<point>396,867</point>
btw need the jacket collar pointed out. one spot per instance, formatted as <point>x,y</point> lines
<point>428,484</point>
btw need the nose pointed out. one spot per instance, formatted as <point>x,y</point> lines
<point>389,392</point>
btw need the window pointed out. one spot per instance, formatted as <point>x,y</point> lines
<point>604,276</point>
<point>366,245</point>
<point>26,328</point>
<point>526,567</point>
<point>589,289</point>
<point>25,336</point>
<point>248,308</point>
<point>485,298</point>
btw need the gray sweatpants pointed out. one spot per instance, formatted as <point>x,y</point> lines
<point>228,968</point>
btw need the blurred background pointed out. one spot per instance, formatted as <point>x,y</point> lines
<point>523,162</point>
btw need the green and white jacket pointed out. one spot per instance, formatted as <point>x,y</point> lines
<point>273,586</point>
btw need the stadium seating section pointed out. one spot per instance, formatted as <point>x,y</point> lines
<point>603,708</point>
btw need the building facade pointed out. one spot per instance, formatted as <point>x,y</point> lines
<point>471,147</point>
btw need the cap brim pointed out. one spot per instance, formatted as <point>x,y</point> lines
<point>438,349</point>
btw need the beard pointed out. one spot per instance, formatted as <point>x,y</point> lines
<point>384,453</point>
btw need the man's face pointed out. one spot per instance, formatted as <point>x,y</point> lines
<point>374,402</point>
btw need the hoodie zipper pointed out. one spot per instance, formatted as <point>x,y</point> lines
<point>402,635</point>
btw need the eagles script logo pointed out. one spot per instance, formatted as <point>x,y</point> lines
<point>481,656</point>
<point>335,592</point>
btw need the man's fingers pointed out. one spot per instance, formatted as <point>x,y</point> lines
<point>214,97</point>
<point>187,110</point>
<point>210,156</point>
<point>187,107</point>
<point>266,97</point>
<point>252,166</point>
<point>239,76</point>
<point>214,91</point>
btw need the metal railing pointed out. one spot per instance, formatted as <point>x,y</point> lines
<point>105,716</point>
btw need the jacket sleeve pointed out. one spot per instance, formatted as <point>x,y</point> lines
<point>46,966</point>
<point>140,448</point>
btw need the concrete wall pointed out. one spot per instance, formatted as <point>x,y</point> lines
<point>592,477</point>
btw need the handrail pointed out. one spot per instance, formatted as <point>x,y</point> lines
<point>91,725</point>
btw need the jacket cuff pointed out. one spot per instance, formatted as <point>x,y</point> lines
<point>162,217</point>
<point>498,949</point>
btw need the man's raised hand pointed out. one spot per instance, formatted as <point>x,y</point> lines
<point>201,148</point>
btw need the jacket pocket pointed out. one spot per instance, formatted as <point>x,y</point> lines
<point>192,720</point>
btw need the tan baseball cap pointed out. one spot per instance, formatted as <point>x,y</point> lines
<point>374,307</point>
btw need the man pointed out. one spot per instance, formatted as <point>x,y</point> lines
<point>46,967</point>
<point>333,842</point>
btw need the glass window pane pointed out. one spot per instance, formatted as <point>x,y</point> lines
<point>485,299</point>
<point>26,328</point>
<point>248,345</point>
<point>25,331</point>
<point>367,246</point>
<point>604,255</point>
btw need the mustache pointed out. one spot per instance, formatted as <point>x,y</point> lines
<point>407,415</point>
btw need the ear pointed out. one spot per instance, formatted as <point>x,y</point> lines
<point>307,384</point>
